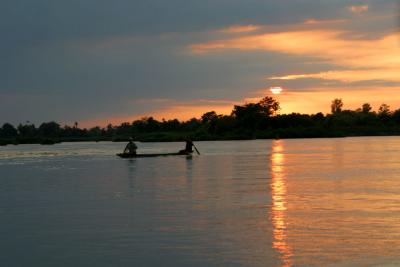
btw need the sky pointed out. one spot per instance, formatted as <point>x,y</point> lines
<point>101,61</point>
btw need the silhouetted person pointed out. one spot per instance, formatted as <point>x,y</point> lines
<point>188,147</point>
<point>130,147</point>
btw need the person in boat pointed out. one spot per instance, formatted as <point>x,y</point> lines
<point>188,147</point>
<point>130,147</point>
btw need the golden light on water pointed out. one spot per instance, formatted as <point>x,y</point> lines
<point>279,209</point>
<point>276,90</point>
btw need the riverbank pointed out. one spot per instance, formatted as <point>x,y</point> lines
<point>287,133</point>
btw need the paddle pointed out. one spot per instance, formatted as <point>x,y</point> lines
<point>196,149</point>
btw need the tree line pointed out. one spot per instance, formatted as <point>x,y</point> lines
<point>248,121</point>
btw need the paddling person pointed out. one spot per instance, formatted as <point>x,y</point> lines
<point>188,147</point>
<point>130,147</point>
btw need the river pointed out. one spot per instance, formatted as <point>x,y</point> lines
<point>300,202</point>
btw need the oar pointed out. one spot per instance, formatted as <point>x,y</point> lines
<point>196,149</point>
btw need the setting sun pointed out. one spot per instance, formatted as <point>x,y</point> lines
<point>276,90</point>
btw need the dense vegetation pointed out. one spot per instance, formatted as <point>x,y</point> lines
<point>248,121</point>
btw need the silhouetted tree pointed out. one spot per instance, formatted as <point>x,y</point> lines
<point>253,115</point>
<point>8,131</point>
<point>248,116</point>
<point>224,124</point>
<point>318,118</point>
<point>269,106</point>
<point>109,131</point>
<point>209,116</point>
<point>396,116</point>
<point>124,129</point>
<point>152,125</point>
<point>192,124</point>
<point>384,113</point>
<point>95,131</point>
<point>49,129</point>
<point>336,106</point>
<point>366,108</point>
<point>27,131</point>
<point>384,110</point>
<point>250,120</point>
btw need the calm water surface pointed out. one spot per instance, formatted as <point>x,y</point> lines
<point>317,202</point>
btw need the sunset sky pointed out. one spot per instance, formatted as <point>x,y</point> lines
<point>101,61</point>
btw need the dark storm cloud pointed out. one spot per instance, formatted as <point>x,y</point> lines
<point>32,21</point>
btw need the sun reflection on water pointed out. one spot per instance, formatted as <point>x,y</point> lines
<point>279,205</point>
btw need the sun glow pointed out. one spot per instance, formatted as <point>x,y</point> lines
<point>276,90</point>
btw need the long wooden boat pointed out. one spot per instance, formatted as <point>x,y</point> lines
<point>127,155</point>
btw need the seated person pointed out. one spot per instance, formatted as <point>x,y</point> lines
<point>130,147</point>
<point>188,147</point>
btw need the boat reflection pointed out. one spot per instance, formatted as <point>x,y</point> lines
<point>279,205</point>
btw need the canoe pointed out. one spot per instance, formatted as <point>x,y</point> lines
<point>127,155</point>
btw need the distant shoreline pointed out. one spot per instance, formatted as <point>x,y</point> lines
<point>247,122</point>
<point>8,142</point>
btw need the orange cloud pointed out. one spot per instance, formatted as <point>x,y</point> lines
<point>359,8</point>
<point>239,29</point>
<point>368,59</point>
<point>319,22</point>
<point>354,57</point>
<point>338,47</point>
<point>348,76</point>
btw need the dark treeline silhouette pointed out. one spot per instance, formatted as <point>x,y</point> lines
<point>248,121</point>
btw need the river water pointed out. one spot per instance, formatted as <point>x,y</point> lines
<point>304,202</point>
